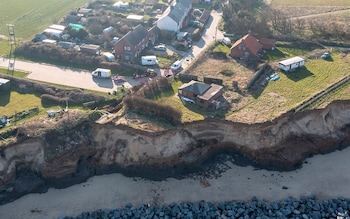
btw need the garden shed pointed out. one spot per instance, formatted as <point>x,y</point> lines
<point>90,49</point>
<point>292,63</point>
<point>5,85</point>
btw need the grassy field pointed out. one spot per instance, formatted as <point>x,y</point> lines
<point>311,2</point>
<point>296,87</point>
<point>33,16</point>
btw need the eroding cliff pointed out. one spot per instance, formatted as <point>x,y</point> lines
<point>59,159</point>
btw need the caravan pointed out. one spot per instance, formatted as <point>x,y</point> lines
<point>149,60</point>
<point>109,56</point>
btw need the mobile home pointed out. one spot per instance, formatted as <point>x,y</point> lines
<point>292,63</point>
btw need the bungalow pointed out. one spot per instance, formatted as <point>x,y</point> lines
<point>247,48</point>
<point>129,47</point>
<point>203,95</point>
<point>175,17</point>
<point>292,63</point>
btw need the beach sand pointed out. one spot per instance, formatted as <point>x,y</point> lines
<point>325,176</point>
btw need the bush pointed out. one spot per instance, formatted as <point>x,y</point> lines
<point>153,108</point>
<point>49,99</point>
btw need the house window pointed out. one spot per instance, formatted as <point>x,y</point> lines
<point>127,48</point>
<point>201,101</point>
<point>180,91</point>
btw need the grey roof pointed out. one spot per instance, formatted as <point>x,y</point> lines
<point>135,36</point>
<point>177,12</point>
<point>155,30</point>
<point>195,87</point>
<point>291,61</point>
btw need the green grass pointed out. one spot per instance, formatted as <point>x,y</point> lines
<point>13,102</point>
<point>190,112</point>
<point>33,16</point>
<point>221,48</point>
<point>312,2</point>
<point>282,52</point>
<point>4,46</point>
<point>294,88</point>
<point>17,74</point>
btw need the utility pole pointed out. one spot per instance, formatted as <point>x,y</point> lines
<point>12,42</point>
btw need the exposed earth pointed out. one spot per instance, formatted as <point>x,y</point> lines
<point>66,155</point>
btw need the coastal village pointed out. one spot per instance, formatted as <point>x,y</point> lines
<point>177,109</point>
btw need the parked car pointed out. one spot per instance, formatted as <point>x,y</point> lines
<point>325,55</point>
<point>160,47</point>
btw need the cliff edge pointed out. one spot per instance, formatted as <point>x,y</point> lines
<point>62,158</point>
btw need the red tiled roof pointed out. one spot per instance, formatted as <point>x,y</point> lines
<point>248,42</point>
<point>267,43</point>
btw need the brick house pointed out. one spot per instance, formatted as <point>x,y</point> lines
<point>201,94</point>
<point>246,48</point>
<point>129,47</point>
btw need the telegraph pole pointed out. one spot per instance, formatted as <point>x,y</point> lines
<point>12,42</point>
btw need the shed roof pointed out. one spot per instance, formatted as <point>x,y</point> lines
<point>135,36</point>
<point>3,81</point>
<point>90,46</point>
<point>291,61</point>
<point>135,17</point>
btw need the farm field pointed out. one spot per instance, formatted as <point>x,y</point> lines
<point>33,16</point>
<point>311,2</point>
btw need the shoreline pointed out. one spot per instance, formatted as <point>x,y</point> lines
<point>324,176</point>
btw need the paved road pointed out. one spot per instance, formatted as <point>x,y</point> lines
<point>210,34</point>
<point>82,79</point>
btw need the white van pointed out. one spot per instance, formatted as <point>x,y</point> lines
<point>149,60</point>
<point>109,56</point>
<point>102,73</point>
<point>176,65</point>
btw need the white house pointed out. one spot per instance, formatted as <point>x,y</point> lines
<point>292,63</point>
<point>175,17</point>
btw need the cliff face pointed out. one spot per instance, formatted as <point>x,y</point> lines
<point>61,159</point>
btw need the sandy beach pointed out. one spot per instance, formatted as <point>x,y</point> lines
<point>325,176</point>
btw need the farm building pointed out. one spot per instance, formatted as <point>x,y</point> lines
<point>292,63</point>
<point>5,85</point>
<point>53,32</point>
<point>267,43</point>
<point>201,94</point>
<point>90,49</point>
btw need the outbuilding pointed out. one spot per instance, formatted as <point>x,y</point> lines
<point>5,85</point>
<point>292,63</point>
<point>90,49</point>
